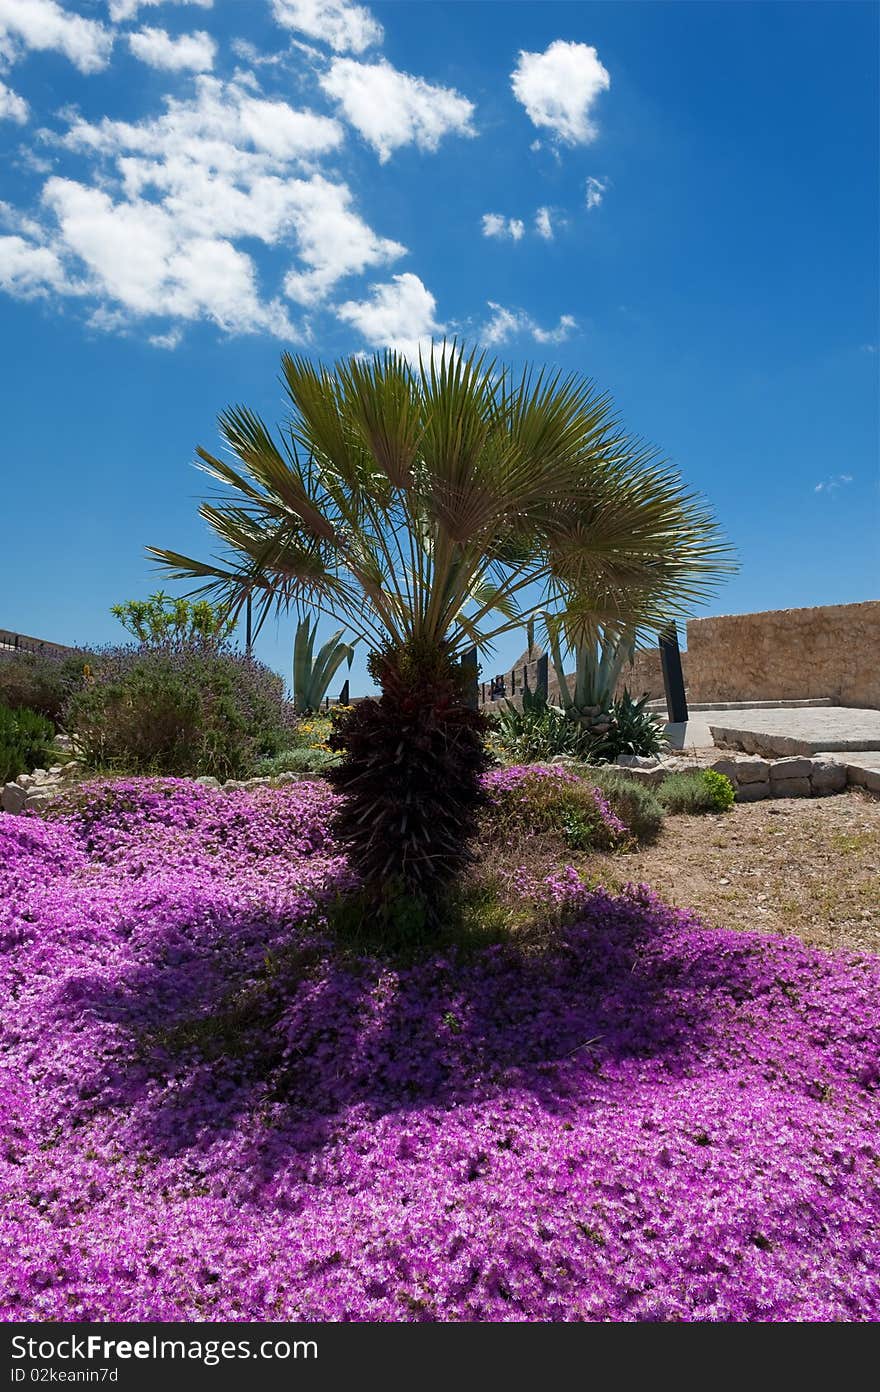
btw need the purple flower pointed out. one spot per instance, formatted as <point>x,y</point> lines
<point>207,1113</point>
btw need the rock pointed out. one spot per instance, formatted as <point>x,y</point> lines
<point>752,770</point>
<point>791,787</point>
<point>753,792</point>
<point>827,776</point>
<point>649,776</point>
<point>286,777</point>
<point>13,798</point>
<point>233,785</point>
<point>62,742</point>
<point>729,767</point>
<point>208,782</point>
<point>40,775</point>
<point>72,769</point>
<point>38,798</point>
<point>641,761</point>
<point>56,770</point>
<point>864,777</point>
<point>25,780</point>
<point>783,770</point>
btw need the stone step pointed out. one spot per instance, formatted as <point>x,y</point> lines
<point>748,705</point>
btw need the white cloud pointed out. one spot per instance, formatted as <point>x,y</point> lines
<point>152,228</point>
<point>346,27</point>
<point>516,323</point>
<point>224,128</point>
<point>333,241</point>
<point>169,341</point>
<point>544,224</point>
<point>391,108</point>
<point>142,260</point>
<point>188,52</point>
<point>494,225</point>
<point>400,314</point>
<point>127,9</point>
<point>829,485</point>
<point>559,88</point>
<point>595,192</point>
<point>12,106</point>
<point>27,270</point>
<point>46,25</point>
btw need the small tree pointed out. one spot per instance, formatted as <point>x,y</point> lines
<point>422,507</point>
<point>162,619</point>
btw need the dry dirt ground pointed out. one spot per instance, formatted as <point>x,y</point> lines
<point>809,866</point>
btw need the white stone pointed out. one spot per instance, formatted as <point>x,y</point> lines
<point>791,787</point>
<point>827,776</point>
<point>752,770</point>
<point>39,797</point>
<point>13,798</point>
<point>753,792</point>
<point>785,769</point>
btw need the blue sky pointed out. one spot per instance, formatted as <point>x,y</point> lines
<point>680,200</point>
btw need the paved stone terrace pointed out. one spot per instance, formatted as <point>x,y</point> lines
<point>844,734</point>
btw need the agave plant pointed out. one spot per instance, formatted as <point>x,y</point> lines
<point>312,675</point>
<point>423,507</point>
<point>536,729</point>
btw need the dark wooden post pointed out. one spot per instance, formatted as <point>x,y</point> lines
<point>542,676</point>
<point>343,695</point>
<point>673,677</point>
<point>248,641</point>
<point>470,670</point>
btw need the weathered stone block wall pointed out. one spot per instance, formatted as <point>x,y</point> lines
<point>787,654</point>
<point>644,675</point>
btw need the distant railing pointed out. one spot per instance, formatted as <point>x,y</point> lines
<point>22,642</point>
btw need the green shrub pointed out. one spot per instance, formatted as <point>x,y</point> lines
<point>180,709</point>
<point>25,738</point>
<point>636,805</point>
<point>554,800</point>
<point>536,732</point>
<point>41,682</point>
<point>303,759</point>
<point>702,791</point>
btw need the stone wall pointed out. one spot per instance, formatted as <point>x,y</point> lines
<point>787,654</point>
<point>779,655</point>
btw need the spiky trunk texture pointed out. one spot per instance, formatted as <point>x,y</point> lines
<point>410,775</point>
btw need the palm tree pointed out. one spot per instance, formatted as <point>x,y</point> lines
<point>423,507</point>
<point>600,620</point>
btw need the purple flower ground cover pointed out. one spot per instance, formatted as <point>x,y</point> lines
<point>208,1114</point>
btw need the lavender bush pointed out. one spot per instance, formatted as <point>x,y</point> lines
<point>189,708</point>
<point>208,1112</point>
